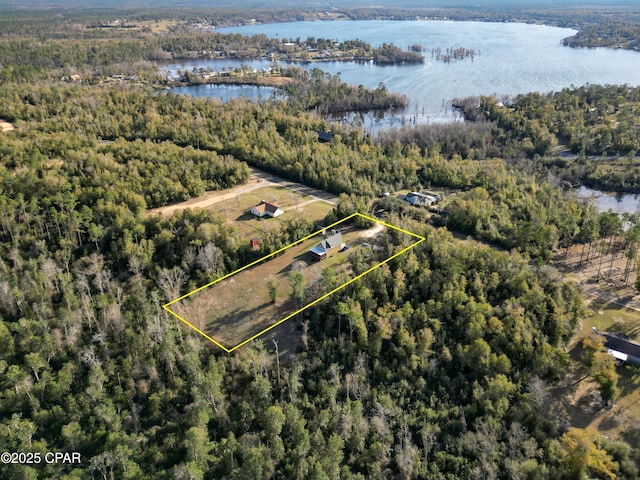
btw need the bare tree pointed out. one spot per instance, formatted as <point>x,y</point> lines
<point>208,258</point>
<point>171,281</point>
<point>536,388</point>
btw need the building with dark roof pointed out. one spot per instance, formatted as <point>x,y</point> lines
<point>621,348</point>
<point>324,137</point>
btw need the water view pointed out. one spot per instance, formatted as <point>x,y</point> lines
<point>620,203</point>
<point>227,92</point>
<point>512,58</point>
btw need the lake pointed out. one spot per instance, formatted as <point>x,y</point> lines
<point>620,203</point>
<point>511,58</point>
<point>227,92</point>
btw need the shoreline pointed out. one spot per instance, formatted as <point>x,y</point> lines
<point>274,82</point>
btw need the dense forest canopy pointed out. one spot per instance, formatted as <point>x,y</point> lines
<point>437,365</point>
<point>596,126</point>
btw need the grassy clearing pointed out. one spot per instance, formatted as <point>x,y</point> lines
<point>577,398</point>
<point>611,318</point>
<point>237,210</point>
<point>239,307</point>
<point>280,196</point>
<point>153,26</point>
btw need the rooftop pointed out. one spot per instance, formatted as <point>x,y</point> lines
<point>327,244</point>
<point>266,207</point>
<point>619,344</point>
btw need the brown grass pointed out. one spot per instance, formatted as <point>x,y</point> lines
<point>613,304</point>
<point>576,397</point>
<point>239,307</point>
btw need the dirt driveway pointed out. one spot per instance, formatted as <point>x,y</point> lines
<point>257,180</point>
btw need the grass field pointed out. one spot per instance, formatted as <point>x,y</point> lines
<point>577,399</point>
<point>154,26</point>
<point>294,204</point>
<point>239,307</point>
<point>610,317</point>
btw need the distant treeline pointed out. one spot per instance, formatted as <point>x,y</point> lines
<point>617,26</point>
<point>23,58</point>
<point>613,32</point>
<point>594,126</point>
<point>592,119</point>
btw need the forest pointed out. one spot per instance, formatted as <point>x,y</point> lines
<point>437,365</point>
<point>326,93</point>
<point>586,135</point>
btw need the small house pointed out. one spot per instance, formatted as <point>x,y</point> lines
<point>324,137</point>
<point>437,196</point>
<point>420,199</point>
<point>254,242</point>
<point>327,247</point>
<point>266,209</point>
<point>6,126</point>
<point>621,348</point>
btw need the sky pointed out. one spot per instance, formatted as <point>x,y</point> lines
<point>315,3</point>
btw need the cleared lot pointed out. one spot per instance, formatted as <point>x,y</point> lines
<point>249,302</point>
<point>295,199</point>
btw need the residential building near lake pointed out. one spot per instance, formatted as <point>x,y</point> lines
<point>621,349</point>
<point>422,199</point>
<point>266,209</point>
<point>6,126</point>
<point>327,247</point>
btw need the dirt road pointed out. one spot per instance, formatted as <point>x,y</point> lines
<point>257,180</point>
<point>297,187</point>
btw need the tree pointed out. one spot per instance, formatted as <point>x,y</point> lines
<point>171,281</point>
<point>198,447</point>
<point>582,457</point>
<point>298,284</point>
<point>328,279</point>
<point>272,286</point>
<point>6,342</point>
<point>208,258</point>
<point>604,373</point>
<point>256,464</point>
<point>273,421</point>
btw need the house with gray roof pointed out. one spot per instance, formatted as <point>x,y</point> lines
<point>327,247</point>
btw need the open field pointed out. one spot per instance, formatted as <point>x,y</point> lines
<point>153,26</point>
<point>234,203</point>
<point>610,317</point>
<point>238,307</point>
<point>576,398</point>
<point>237,210</point>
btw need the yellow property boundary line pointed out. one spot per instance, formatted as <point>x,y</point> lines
<point>229,350</point>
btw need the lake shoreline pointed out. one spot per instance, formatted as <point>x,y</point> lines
<point>432,86</point>
<point>620,202</point>
<point>275,81</point>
